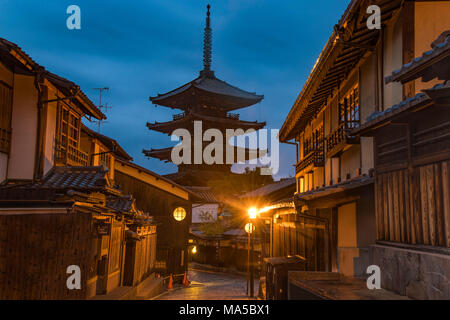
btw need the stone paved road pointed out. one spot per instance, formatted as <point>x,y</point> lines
<point>206,285</point>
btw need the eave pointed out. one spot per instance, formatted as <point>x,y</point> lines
<point>208,122</point>
<point>335,63</point>
<point>207,91</point>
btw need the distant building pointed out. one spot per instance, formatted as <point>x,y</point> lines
<point>208,100</point>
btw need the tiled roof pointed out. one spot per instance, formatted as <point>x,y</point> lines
<point>124,203</point>
<point>268,189</point>
<point>204,193</point>
<point>440,49</point>
<point>346,185</point>
<point>186,120</point>
<point>76,178</point>
<point>110,143</point>
<point>13,51</point>
<point>211,85</point>
<point>235,233</point>
<point>418,100</point>
<point>157,176</point>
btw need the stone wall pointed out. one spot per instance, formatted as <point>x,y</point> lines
<point>418,274</point>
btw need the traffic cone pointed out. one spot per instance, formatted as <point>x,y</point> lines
<point>170,286</point>
<point>185,280</point>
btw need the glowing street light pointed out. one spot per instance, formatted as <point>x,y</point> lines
<point>194,250</point>
<point>253,213</point>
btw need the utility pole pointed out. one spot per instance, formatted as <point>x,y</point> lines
<point>100,106</point>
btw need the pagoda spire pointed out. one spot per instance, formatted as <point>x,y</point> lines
<point>207,44</point>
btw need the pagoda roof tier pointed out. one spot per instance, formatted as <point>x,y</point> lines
<point>185,121</point>
<point>164,154</point>
<point>207,91</point>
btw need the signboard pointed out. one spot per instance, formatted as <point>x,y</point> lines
<point>203,213</point>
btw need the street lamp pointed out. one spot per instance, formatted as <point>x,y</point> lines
<point>250,228</point>
<point>252,212</point>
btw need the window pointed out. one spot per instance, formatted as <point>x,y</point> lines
<point>105,159</point>
<point>68,137</point>
<point>301,185</point>
<point>5,117</point>
<point>349,109</point>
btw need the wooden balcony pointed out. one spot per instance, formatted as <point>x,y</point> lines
<point>315,158</point>
<point>70,156</point>
<point>340,140</point>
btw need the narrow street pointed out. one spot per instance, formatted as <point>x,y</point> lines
<point>206,285</point>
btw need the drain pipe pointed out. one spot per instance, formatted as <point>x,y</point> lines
<point>38,170</point>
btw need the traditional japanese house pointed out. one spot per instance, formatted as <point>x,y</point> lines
<point>58,213</point>
<point>334,169</point>
<point>412,178</point>
<point>140,235</point>
<point>206,103</point>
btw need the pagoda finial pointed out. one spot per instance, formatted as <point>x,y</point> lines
<point>207,43</point>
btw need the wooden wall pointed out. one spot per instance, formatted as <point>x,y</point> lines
<point>36,249</point>
<point>172,235</point>
<point>412,185</point>
<point>306,237</point>
<point>414,207</point>
<point>140,258</point>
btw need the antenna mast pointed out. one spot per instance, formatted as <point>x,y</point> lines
<point>102,107</point>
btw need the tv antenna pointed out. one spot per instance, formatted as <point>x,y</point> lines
<point>102,107</point>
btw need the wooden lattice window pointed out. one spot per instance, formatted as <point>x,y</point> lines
<point>68,137</point>
<point>349,109</point>
<point>105,159</point>
<point>69,126</point>
<point>5,116</point>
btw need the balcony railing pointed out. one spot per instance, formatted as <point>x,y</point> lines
<point>316,158</point>
<point>71,156</point>
<point>340,139</point>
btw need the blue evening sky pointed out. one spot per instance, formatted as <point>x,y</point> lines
<point>139,48</point>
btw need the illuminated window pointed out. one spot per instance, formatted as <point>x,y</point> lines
<point>179,214</point>
<point>301,184</point>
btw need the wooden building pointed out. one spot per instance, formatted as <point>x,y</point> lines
<point>59,206</point>
<point>334,166</point>
<point>412,179</point>
<point>171,207</point>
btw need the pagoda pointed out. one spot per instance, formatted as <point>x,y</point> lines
<point>209,100</point>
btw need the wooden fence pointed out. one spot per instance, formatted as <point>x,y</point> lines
<point>35,251</point>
